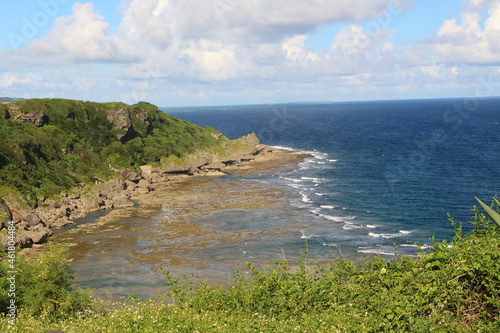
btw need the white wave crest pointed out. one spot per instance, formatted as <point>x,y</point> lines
<point>375,251</point>
<point>331,218</point>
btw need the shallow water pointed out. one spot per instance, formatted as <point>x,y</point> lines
<point>374,183</point>
<point>205,229</point>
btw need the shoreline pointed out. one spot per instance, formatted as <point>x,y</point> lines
<point>171,229</point>
<point>147,188</point>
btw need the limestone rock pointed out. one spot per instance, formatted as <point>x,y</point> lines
<point>37,117</point>
<point>38,234</point>
<point>92,202</point>
<point>61,222</point>
<point>122,201</point>
<point>122,121</point>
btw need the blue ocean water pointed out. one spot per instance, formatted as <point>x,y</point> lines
<point>381,177</point>
<point>382,174</point>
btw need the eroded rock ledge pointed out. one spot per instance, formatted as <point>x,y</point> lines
<point>34,224</point>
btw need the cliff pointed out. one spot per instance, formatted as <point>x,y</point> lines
<point>61,159</point>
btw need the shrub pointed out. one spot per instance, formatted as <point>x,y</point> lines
<point>43,285</point>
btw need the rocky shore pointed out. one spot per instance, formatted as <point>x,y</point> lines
<point>34,224</point>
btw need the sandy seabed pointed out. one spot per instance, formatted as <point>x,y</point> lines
<point>127,248</point>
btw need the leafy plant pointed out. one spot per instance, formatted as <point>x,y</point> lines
<point>454,287</point>
<point>42,285</point>
<point>494,216</point>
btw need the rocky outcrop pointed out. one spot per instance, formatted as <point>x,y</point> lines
<point>122,121</point>
<point>34,223</point>
<point>37,117</point>
<point>30,227</point>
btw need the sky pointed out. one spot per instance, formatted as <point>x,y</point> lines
<point>227,52</point>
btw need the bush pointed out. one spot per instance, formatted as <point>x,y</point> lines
<point>453,288</point>
<point>43,285</point>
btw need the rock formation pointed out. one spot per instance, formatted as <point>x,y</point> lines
<point>34,223</point>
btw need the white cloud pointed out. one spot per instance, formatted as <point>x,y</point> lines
<point>213,60</point>
<point>295,51</point>
<point>237,49</point>
<point>10,81</point>
<point>356,51</point>
<point>466,41</point>
<point>81,37</point>
<point>244,21</point>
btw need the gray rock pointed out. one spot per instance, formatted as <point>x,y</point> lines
<point>61,222</point>
<point>122,201</point>
<point>32,218</point>
<point>122,121</point>
<point>92,202</point>
<point>36,117</point>
<point>143,183</point>
<point>23,239</point>
<point>38,234</point>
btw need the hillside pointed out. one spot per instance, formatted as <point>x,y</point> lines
<point>51,145</point>
<point>54,151</point>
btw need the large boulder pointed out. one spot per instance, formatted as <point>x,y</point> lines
<point>38,234</point>
<point>36,117</point>
<point>21,211</point>
<point>122,201</point>
<point>123,123</point>
<point>92,202</point>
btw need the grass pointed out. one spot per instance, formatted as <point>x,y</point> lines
<point>453,288</point>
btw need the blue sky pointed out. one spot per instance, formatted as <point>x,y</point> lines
<point>215,52</point>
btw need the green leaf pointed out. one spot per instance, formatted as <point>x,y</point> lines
<point>494,216</point>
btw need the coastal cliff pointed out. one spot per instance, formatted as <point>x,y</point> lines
<point>61,159</point>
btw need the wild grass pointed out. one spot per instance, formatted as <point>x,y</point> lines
<point>455,287</point>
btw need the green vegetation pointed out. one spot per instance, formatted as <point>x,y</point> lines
<point>43,285</point>
<point>52,145</point>
<point>455,287</point>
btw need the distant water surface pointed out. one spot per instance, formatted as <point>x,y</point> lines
<point>387,172</point>
<point>382,176</point>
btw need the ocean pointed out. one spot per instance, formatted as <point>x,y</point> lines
<point>384,174</point>
<point>381,179</point>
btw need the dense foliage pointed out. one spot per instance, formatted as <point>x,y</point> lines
<point>453,288</point>
<point>51,145</point>
<point>43,285</point>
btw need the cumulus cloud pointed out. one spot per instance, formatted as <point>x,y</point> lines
<point>466,41</point>
<point>243,21</point>
<point>237,39</point>
<point>82,37</point>
<point>205,48</point>
<point>10,81</point>
<point>355,50</point>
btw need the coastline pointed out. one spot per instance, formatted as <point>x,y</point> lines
<point>147,188</point>
<point>171,228</point>
<point>271,158</point>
